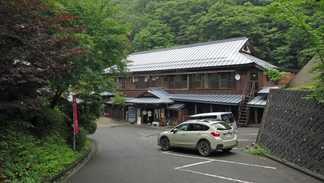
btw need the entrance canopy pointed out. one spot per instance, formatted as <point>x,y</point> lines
<point>176,107</point>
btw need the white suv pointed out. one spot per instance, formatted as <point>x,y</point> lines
<point>227,117</point>
<point>204,135</point>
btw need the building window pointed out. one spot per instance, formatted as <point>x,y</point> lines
<point>168,82</point>
<point>254,76</point>
<point>141,84</point>
<point>211,81</point>
<point>227,80</point>
<point>181,81</point>
<point>195,81</point>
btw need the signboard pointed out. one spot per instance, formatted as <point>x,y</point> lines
<point>75,116</point>
<point>131,113</point>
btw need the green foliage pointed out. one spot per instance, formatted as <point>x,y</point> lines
<point>275,75</point>
<point>105,41</point>
<point>258,151</point>
<point>46,121</point>
<point>118,100</point>
<point>88,111</point>
<point>307,20</point>
<point>27,158</point>
<point>155,36</point>
<point>193,21</point>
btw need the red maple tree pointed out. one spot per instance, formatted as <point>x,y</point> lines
<point>36,45</point>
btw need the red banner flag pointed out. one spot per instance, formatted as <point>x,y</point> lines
<point>75,116</point>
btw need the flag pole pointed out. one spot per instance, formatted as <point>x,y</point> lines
<point>73,124</point>
<point>75,121</point>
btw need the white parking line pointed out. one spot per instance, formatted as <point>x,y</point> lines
<point>192,164</point>
<point>216,176</point>
<point>182,168</point>
<point>224,161</point>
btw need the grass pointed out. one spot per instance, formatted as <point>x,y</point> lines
<point>29,159</point>
<point>257,150</point>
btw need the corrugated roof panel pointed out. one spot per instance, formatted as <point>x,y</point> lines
<point>228,99</point>
<point>128,99</point>
<point>258,102</point>
<point>176,107</point>
<point>209,54</point>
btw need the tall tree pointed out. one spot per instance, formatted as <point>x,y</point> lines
<point>36,46</point>
<point>156,35</point>
<point>301,14</point>
<point>104,39</point>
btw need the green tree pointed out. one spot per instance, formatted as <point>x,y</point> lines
<point>104,39</point>
<point>301,15</point>
<point>156,35</point>
<point>120,101</point>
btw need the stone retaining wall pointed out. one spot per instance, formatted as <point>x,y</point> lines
<point>292,129</point>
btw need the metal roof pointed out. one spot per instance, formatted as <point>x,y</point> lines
<point>265,90</point>
<point>258,102</point>
<point>163,97</point>
<point>128,99</point>
<point>221,99</point>
<point>201,55</point>
<point>107,94</point>
<point>162,94</point>
<point>150,101</point>
<point>176,107</point>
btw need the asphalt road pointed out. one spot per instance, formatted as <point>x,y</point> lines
<point>129,153</point>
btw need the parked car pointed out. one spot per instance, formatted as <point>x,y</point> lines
<point>227,117</point>
<point>204,135</point>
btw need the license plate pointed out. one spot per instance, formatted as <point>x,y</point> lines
<point>228,135</point>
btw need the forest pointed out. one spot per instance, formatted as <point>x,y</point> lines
<point>159,24</point>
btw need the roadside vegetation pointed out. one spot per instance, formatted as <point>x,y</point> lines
<point>49,49</point>
<point>256,150</point>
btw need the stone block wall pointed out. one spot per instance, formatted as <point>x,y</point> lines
<point>292,128</point>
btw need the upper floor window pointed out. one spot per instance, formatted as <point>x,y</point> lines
<point>227,80</point>
<point>195,81</point>
<point>168,82</point>
<point>211,81</point>
<point>181,81</point>
<point>254,76</point>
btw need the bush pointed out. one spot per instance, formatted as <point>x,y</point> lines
<point>46,121</point>
<point>28,158</point>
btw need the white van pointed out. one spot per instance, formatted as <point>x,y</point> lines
<point>227,117</point>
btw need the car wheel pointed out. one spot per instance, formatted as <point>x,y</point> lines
<point>165,144</point>
<point>204,148</point>
<point>226,150</point>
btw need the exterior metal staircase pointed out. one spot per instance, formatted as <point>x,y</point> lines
<point>244,110</point>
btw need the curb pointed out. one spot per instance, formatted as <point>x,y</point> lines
<point>89,153</point>
<point>296,167</point>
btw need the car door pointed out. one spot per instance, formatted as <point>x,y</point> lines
<point>193,134</point>
<point>178,137</point>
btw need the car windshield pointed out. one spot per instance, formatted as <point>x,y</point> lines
<point>221,126</point>
<point>228,118</point>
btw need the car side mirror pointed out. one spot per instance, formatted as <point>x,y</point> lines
<point>174,131</point>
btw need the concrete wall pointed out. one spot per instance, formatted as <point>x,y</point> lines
<point>293,129</point>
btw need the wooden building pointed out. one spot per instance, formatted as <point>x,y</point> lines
<point>174,83</point>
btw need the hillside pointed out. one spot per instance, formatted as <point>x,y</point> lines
<point>166,23</point>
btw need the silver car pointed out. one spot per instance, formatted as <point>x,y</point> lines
<point>227,117</point>
<point>204,135</point>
